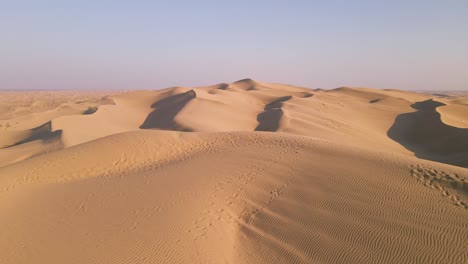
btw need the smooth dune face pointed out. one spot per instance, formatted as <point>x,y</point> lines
<point>247,172</point>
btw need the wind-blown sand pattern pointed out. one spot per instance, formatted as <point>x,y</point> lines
<point>247,172</point>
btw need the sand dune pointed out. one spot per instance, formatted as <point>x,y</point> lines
<point>428,137</point>
<point>246,172</point>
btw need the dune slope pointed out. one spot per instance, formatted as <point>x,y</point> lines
<point>247,172</point>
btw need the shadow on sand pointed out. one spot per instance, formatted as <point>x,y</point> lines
<point>43,132</point>
<point>269,120</point>
<point>424,133</point>
<point>165,111</point>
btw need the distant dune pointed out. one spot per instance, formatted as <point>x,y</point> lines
<point>245,172</point>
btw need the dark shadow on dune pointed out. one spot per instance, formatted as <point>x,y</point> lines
<point>374,101</point>
<point>244,80</point>
<point>248,84</point>
<point>223,86</point>
<point>165,111</point>
<point>446,96</point>
<point>43,132</point>
<point>269,119</point>
<point>424,133</point>
<point>90,110</point>
<point>278,103</point>
<point>307,95</point>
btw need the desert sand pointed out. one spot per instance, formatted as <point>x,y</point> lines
<point>245,172</point>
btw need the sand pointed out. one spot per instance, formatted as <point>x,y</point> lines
<point>246,172</point>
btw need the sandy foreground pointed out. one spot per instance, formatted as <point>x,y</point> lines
<point>247,172</point>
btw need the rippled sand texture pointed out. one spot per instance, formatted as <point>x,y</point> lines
<point>247,172</point>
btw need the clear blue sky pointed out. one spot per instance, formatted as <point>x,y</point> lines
<point>89,44</point>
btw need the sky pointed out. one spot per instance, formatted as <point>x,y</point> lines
<point>113,44</point>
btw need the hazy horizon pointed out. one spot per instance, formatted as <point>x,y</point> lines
<point>64,45</point>
<point>212,84</point>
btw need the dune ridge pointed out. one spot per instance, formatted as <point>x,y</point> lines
<point>245,172</point>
